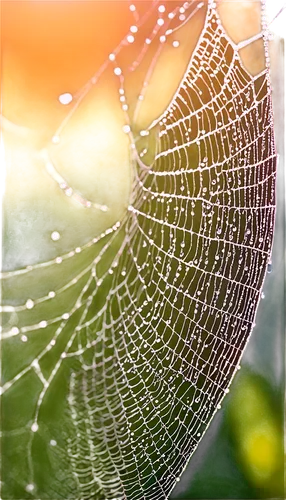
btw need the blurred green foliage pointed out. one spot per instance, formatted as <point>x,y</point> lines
<point>244,460</point>
<point>242,456</point>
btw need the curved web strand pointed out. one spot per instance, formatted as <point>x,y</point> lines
<point>199,238</point>
<point>57,293</point>
<point>159,29</point>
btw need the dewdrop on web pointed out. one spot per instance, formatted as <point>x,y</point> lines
<point>174,306</point>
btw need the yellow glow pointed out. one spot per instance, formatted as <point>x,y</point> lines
<point>261,453</point>
<point>257,432</point>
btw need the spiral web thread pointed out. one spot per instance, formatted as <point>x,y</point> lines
<point>187,282</point>
<point>166,298</point>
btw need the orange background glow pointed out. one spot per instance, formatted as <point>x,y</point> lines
<point>51,47</point>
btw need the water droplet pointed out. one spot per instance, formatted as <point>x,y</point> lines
<point>160,21</point>
<point>30,487</point>
<point>133,29</point>
<point>24,338</point>
<point>130,39</point>
<point>126,129</point>
<point>269,268</point>
<point>65,98</point>
<point>55,235</point>
<point>53,442</point>
<point>43,324</point>
<point>55,139</point>
<point>30,304</point>
<point>112,57</point>
<point>34,427</point>
<point>117,71</point>
<point>176,43</point>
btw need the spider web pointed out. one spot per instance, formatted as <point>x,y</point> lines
<point>158,309</point>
